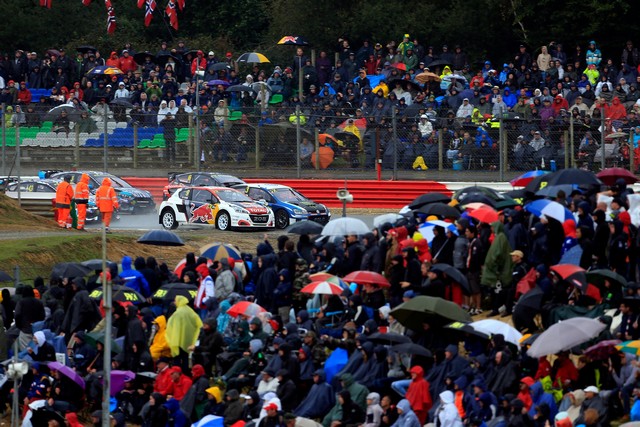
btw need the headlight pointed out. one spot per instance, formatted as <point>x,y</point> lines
<point>126,196</point>
<point>238,209</point>
<point>300,211</point>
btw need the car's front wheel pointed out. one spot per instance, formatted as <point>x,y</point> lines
<point>168,220</point>
<point>223,221</point>
<point>282,219</point>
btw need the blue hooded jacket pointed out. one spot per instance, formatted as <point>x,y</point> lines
<point>133,278</point>
<point>539,397</point>
<point>407,418</point>
<point>319,401</point>
<point>175,413</point>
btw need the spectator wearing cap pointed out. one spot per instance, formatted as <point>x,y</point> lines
<point>127,63</point>
<point>199,63</point>
<point>24,94</point>
<point>268,383</point>
<point>537,142</point>
<point>465,109</point>
<point>459,58</point>
<point>522,58</point>
<point>180,383</point>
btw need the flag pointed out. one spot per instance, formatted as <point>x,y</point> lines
<point>140,3</point>
<point>148,15</point>
<point>86,2</point>
<point>172,13</point>
<point>181,4</point>
<point>111,17</point>
<point>45,3</point>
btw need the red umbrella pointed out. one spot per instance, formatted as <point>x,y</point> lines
<point>572,273</point>
<point>245,308</point>
<point>399,66</point>
<point>363,277</point>
<point>526,178</point>
<point>610,175</point>
<point>322,288</point>
<point>486,215</point>
<point>183,262</point>
<point>603,350</point>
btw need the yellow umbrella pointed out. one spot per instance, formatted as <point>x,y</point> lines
<point>632,347</point>
<point>253,58</point>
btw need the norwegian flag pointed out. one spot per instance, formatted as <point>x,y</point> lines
<point>45,3</point>
<point>141,3</point>
<point>172,13</point>
<point>181,5</point>
<point>148,15</point>
<point>86,2</point>
<point>111,17</point>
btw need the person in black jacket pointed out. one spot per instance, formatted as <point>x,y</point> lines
<point>28,311</point>
<point>371,256</point>
<point>352,414</point>
<point>286,391</point>
<point>211,343</point>
<point>45,351</point>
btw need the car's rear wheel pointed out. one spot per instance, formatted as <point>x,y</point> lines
<point>282,219</point>
<point>223,221</point>
<point>168,220</point>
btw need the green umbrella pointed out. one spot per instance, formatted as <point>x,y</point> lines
<point>429,309</point>
<point>597,277</point>
<point>93,338</point>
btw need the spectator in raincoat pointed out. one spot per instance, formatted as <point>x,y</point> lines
<point>408,418</point>
<point>182,331</point>
<point>497,266</point>
<point>133,278</point>
<point>319,400</point>
<point>159,346</point>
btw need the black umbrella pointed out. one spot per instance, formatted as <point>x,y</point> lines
<point>93,338</point>
<point>120,293</point>
<point>520,193</point>
<point>388,338</point>
<point>293,40</point>
<point>305,227</point>
<point>465,328</point>
<point>219,66</point>
<point>86,49</point>
<point>161,238</point>
<point>42,416</point>
<point>141,57</point>
<point>462,193</point>
<point>439,209</point>
<point>425,199</point>
<point>5,277</point>
<point>72,113</point>
<point>164,58</point>
<point>579,177</point>
<point>477,198</point>
<point>122,102</point>
<point>426,309</point>
<point>94,264</point>
<point>454,274</point>
<point>167,293</point>
<point>526,309</point>
<point>438,63</point>
<point>411,348</point>
<point>239,88</point>
<point>406,84</point>
<point>597,277</point>
<point>69,269</point>
<point>351,141</point>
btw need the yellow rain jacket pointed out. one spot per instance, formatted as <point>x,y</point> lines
<point>183,327</point>
<point>159,346</point>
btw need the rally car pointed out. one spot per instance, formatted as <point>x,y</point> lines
<point>198,179</point>
<point>222,207</point>
<point>45,189</point>
<point>287,204</point>
<point>132,200</point>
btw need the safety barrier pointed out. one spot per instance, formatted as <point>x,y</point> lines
<point>366,193</point>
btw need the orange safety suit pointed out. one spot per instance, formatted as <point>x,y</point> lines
<point>64,194</point>
<point>107,201</point>
<point>82,199</point>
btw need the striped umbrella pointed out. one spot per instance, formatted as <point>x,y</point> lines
<point>182,263</point>
<point>322,288</point>
<point>326,277</point>
<point>549,209</point>
<point>526,178</point>
<point>427,228</point>
<point>217,251</point>
<point>253,58</point>
<point>245,308</point>
<point>632,347</point>
<point>104,70</point>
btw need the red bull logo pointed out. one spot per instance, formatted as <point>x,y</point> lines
<point>202,213</point>
<point>289,39</point>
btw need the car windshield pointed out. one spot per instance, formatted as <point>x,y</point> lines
<point>232,196</point>
<point>229,180</point>
<point>288,195</point>
<point>115,181</point>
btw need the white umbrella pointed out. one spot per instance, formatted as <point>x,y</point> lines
<point>564,335</point>
<point>427,228</point>
<point>345,227</point>
<point>390,217</point>
<point>493,327</point>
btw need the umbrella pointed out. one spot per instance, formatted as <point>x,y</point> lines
<point>55,52</point>
<point>141,57</point>
<point>345,227</point>
<point>428,76</point>
<point>326,277</point>
<point>253,58</point>
<point>42,416</point>
<point>167,293</point>
<point>120,293</point>
<point>122,102</point>
<point>565,176</point>
<point>183,262</point>
<point>161,238</point>
<point>211,421</point>
<point>549,209</point>
<point>439,209</point>
<point>565,335</point>
<point>326,157</point>
<point>615,135</point>
<point>408,85</point>
<point>427,228</point>
<point>450,77</point>
<point>95,264</point>
<point>420,309</point>
<point>239,88</point>
<point>427,198</point>
<point>477,205</point>
<point>72,113</point>
<point>632,347</point>
<point>294,40</point>
<point>477,197</point>
<point>384,218</point>
<point>118,378</point>
<point>67,372</point>
<point>597,277</point>
<point>217,82</point>
<point>86,49</point>
<point>104,70</point>
<point>365,277</point>
<point>399,66</point>
<point>217,251</point>
<point>526,178</point>
<point>484,214</point>
<point>454,274</point>
<point>411,348</point>
<point>610,175</point>
<point>5,277</point>
<point>438,63</point>
<point>69,269</point>
<point>245,308</point>
<point>350,140</point>
<point>322,288</point>
<point>571,273</point>
<point>93,338</point>
<point>495,327</point>
<point>165,57</point>
<point>526,309</point>
<point>305,227</point>
<point>466,328</point>
<point>602,350</point>
<point>462,194</point>
<point>552,190</point>
<point>388,338</point>
<point>257,87</point>
<point>218,66</point>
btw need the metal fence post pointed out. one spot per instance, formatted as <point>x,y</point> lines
<point>440,152</point>
<point>135,145</point>
<point>502,148</point>
<point>197,150</point>
<point>395,143</point>
<point>632,166</point>
<point>566,150</point>
<point>105,148</point>
<point>572,135</point>
<point>4,140</point>
<point>298,137</point>
<point>257,147</point>
<point>317,144</point>
<point>190,140</point>
<point>603,146</point>
<point>18,162</point>
<point>76,150</point>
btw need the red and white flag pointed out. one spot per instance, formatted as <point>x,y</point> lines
<point>140,3</point>
<point>111,17</point>
<point>172,13</point>
<point>45,3</point>
<point>86,2</point>
<point>148,15</point>
<point>181,4</point>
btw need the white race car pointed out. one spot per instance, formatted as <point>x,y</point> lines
<point>222,207</point>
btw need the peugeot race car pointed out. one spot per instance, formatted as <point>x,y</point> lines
<point>198,179</point>
<point>222,207</point>
<point>287,204</point>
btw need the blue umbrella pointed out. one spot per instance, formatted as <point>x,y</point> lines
<point>550,209</point>
<point>209,421</point>
<point>217,251</point>
<point>218,82</point>
<point>427,228</point>
<point>552,190</point>
<point>526,178</point>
